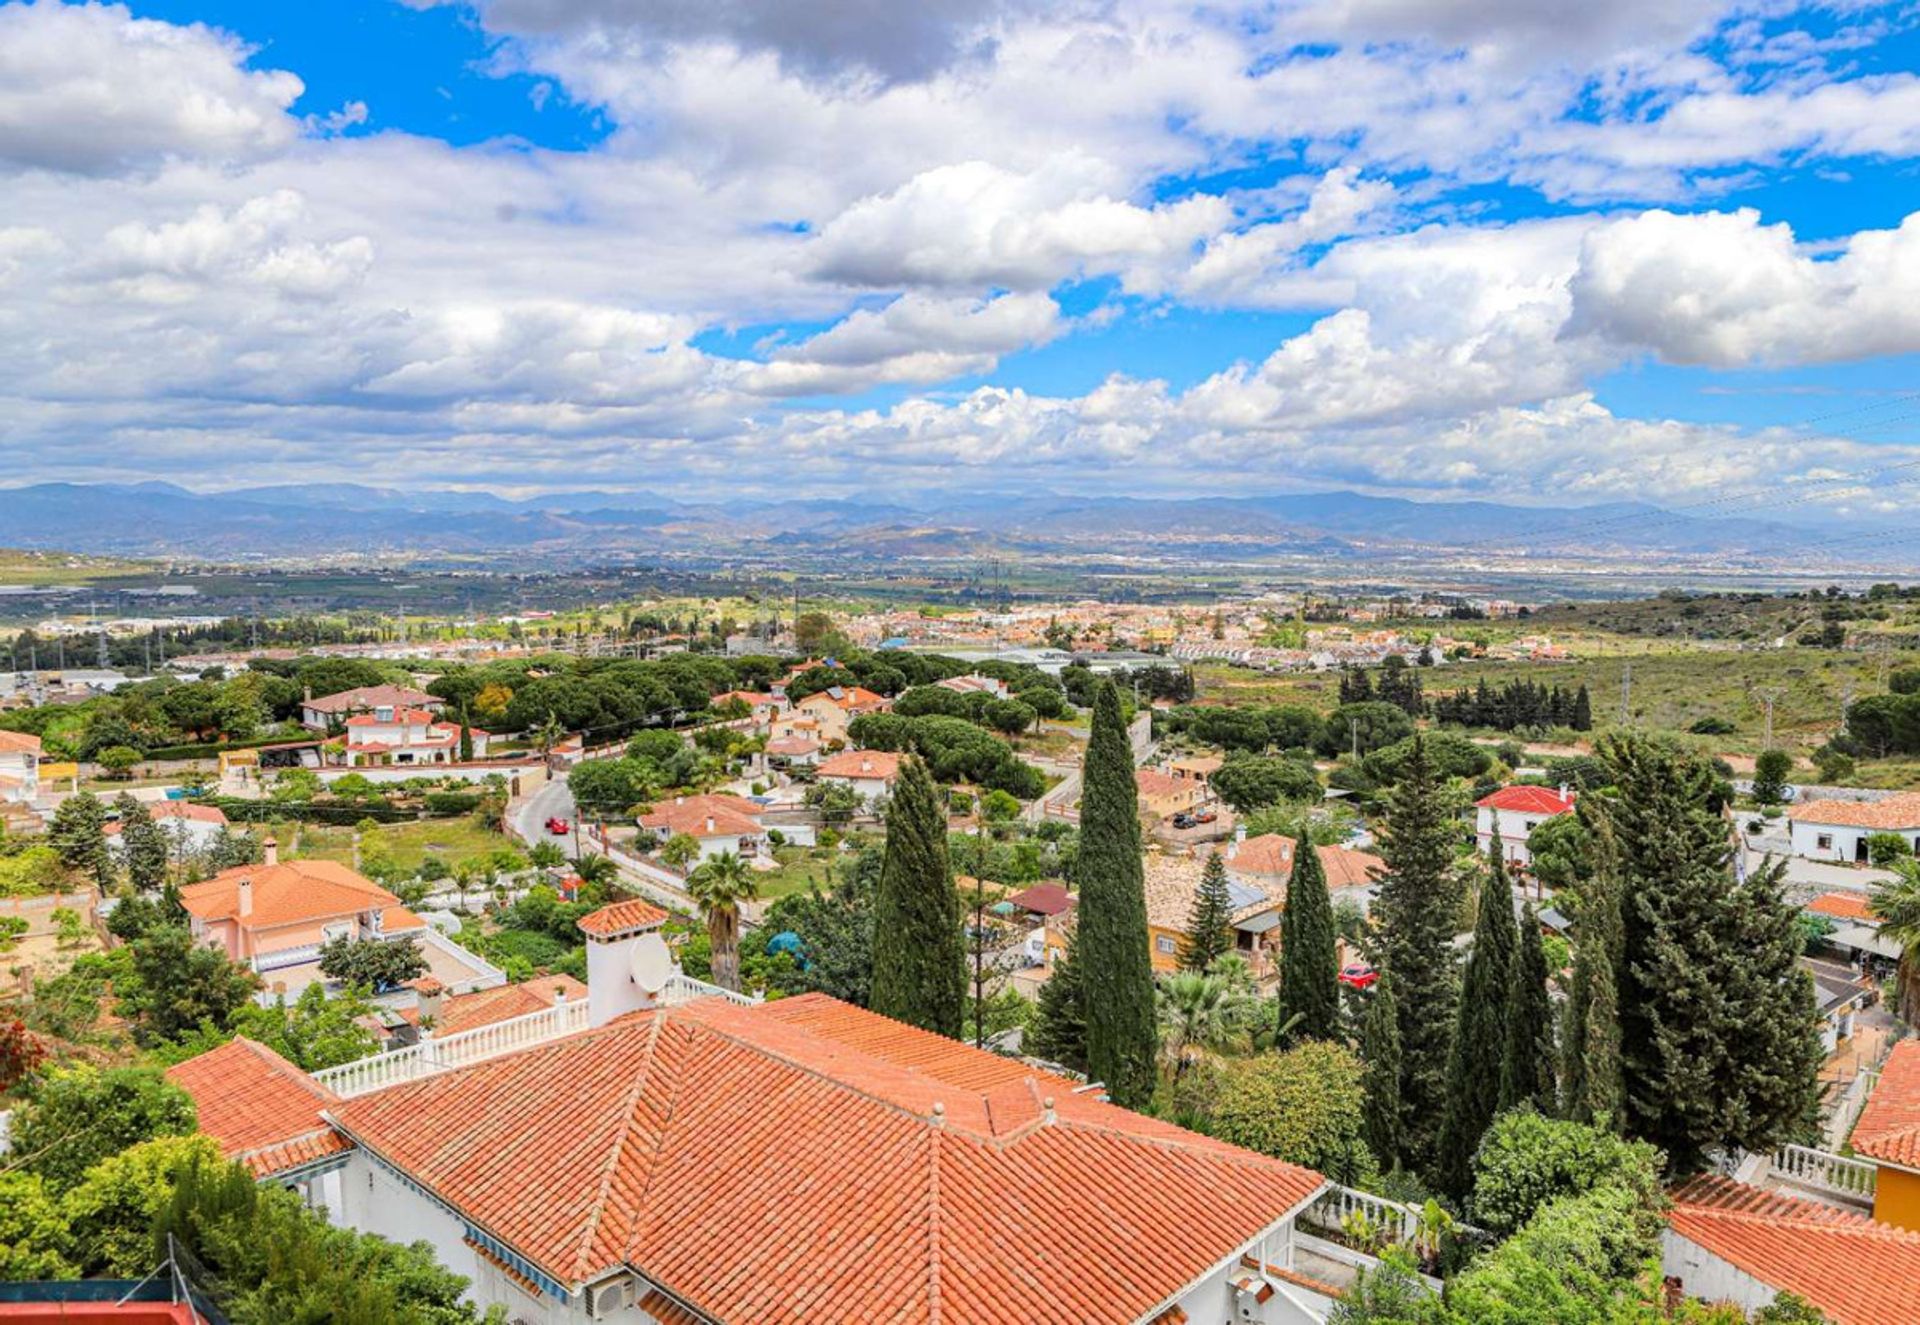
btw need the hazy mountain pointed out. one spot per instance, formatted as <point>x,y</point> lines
<point>305,520</point>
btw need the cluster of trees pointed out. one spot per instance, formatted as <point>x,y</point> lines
<point>1516,705</point>
<point>1009,716</point>
<point>655,763</point>
<point>1253,729</point>
<point>150,856</point>
<point>1889,724</point>
<point>1397,684</point>
<point>954,748</point>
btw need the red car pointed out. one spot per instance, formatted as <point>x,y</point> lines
<point>558,827</point>
<point>1359,975</point>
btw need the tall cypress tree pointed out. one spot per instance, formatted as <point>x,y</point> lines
<point>1590,1055</point>
<point>1380,1052</point>
<point>1527,1062</point>
<point>1480,1030</point>
<point>1209,934</point>
<point>1059,1033</point>
<point>1719,1035</point>
<point>1418,899</point>
<point>1309,955</point>
<point>1582,711</point>
<point>143,844</point>
<point>919,956</point>
<point>1116,969</point>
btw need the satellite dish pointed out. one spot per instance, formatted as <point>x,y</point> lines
<point>651,964</point>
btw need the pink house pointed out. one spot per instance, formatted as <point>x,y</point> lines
<point>276,915</point>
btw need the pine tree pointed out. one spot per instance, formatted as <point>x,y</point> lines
<point>1719,1035</point>
<point>1209,934</point>
<point>78,833</point>
<point>1480,1029</point>
<point>919,955</point>
<point>1117,973</point>
<point>143,844</point>
<point>1419,897</point>
<point>1059,1031</point>
<point>1527,1062</point>
<point>1309,952</point>
<point>1380,1051</point>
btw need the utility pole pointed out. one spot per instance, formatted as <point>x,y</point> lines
<point>1626,694</point>
<point>1767,695</point>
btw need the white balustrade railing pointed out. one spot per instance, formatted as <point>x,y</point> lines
<point>438,1054</point>
<point>1395,1222</point>
<point>1823,1171</point>
<point>684,989</point>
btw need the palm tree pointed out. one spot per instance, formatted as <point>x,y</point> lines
<point>1200,1013</point>
<point>1898,906</point>
<point>719,886</point>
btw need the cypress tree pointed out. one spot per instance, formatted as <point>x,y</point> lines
<point>1209,934</point>
<point>1309,955</point>
<point>1527,1063</point>
<point>1582,711</point>
<point>1593,1087</point>
<point>1718,1031</point>
<point>1117,968</point>
<point>1380,1052</point>
<point>1059,1032</point>
<point>1419,897</point>
<point>919,956</point>
<point>78,833</point>
<point>143,842</point>
<point>1480,1029</point>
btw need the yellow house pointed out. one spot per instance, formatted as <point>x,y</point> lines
<point>1172,881</point>
<point>1162,795</point>
<point>1888,1133</point>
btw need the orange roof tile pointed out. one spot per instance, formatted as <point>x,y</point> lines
<point>262,1109</point>
<point>1854,1269</point>
<point>288,893</point>
<point>161,811</point>
<point>804,1159</point>
<point>19,743</point>
<point>1523,799</point>
<point>1272,853</point>
<point>668,1312</point>
<point>1889,1127</point>
<point>860,764</point>
<point>1152,782</point>
<point>729,816</point>
<point>618,918</point>
<point>1847,906</point>
<point>1902,811</point>
<point>380,696</point>
<point>412,716</point>
<point>484,1007</point>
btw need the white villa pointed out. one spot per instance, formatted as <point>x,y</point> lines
<point>19,767</point>
<point>1517,811</point>
<point>1839,829</point>
<point>406,736</point>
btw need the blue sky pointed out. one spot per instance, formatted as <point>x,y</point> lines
<point>1491,248</point>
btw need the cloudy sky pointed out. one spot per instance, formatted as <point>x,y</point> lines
<point>1530,250</point>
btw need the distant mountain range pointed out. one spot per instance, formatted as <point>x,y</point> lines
<point>309,520</point>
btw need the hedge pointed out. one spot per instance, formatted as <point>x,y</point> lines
<point>214,749</point>
<point>318,812</point>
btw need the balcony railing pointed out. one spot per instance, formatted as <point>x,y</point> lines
<point>1823,1171</point>
<point>684,989</point>
<point>440,1054</point>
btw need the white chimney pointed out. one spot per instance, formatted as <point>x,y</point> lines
<point>270,849</point>
<point>559,996</point>
<point>245,891</point>
<point>866,765</point>
<point>709,825</point>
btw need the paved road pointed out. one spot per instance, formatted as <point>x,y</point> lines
<point>552,801</point>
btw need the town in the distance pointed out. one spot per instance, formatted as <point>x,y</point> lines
<point>947,951</point>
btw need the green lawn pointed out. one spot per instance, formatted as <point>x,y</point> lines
<point>800,868</point>
<point>453,840</point>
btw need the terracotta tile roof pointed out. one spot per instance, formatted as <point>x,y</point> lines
<point>416,717</point>
<point>288,893</point>
<point>161,811</point>
<point>805,1159</point>
<point>1889,1127</point>
<point>366,697</point>
<point>731,816</point>
<point>1045,899</point>
<point>1856,1270</point>
<point>484,1007</point>
<point>860,764</point>
<point>853,699</point>
<point>1846,906</point>
<point>19,743</point>
<point>1272,854</point>
<point>262,1109</point>
<point>1893,812</point>
<point>668,1312</point>
<point>793,745</point>
<point>1522,799</point>
<point>1347,868</point>
<point>617,918</point>
<point>1152,782</point>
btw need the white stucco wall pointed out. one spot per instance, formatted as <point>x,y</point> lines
<point>1709,1278</point>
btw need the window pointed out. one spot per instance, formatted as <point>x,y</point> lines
<point>1824,842</point>
<point>1166,945</point>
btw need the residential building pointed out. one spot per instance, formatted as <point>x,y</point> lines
<point>869,772</point>
<point>1839,829</point>
<point>794,751</point>
<point>1855,928</point>
<point>266,1113</point>
<point>19,767</point>
<point>452,1014</point>
<point>718,823</point>
<point>1518,810</point>
<point>1266,861</point>
<point>1172,881</point>
<point>834,708</point>
<point>188,827</point>
<point>762,706</point>
<point>975,684</point>
<point>1837,1001</point>
<point>1042,901</point>
<point>328,712</point>
<point>1730,1242</point>
<point>1194,768</point>
<point>407,737</point>
<point>1888,1133</point>
<point>276,915</point>
<point>1162,795</point>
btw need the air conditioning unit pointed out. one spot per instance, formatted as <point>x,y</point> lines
<point>609,1296</point>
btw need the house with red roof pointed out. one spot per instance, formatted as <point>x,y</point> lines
<point>1888,1134</point>
<point>693,1158</point>
<point>19,767</point>
<point>329,711</point>
<point>869,772</point>
<point>1838,829</point>
<point>407,736</point>
<point>1515,812</point>
<point>718,823</point>
<point>189,826</point>
<point>835,707</point>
